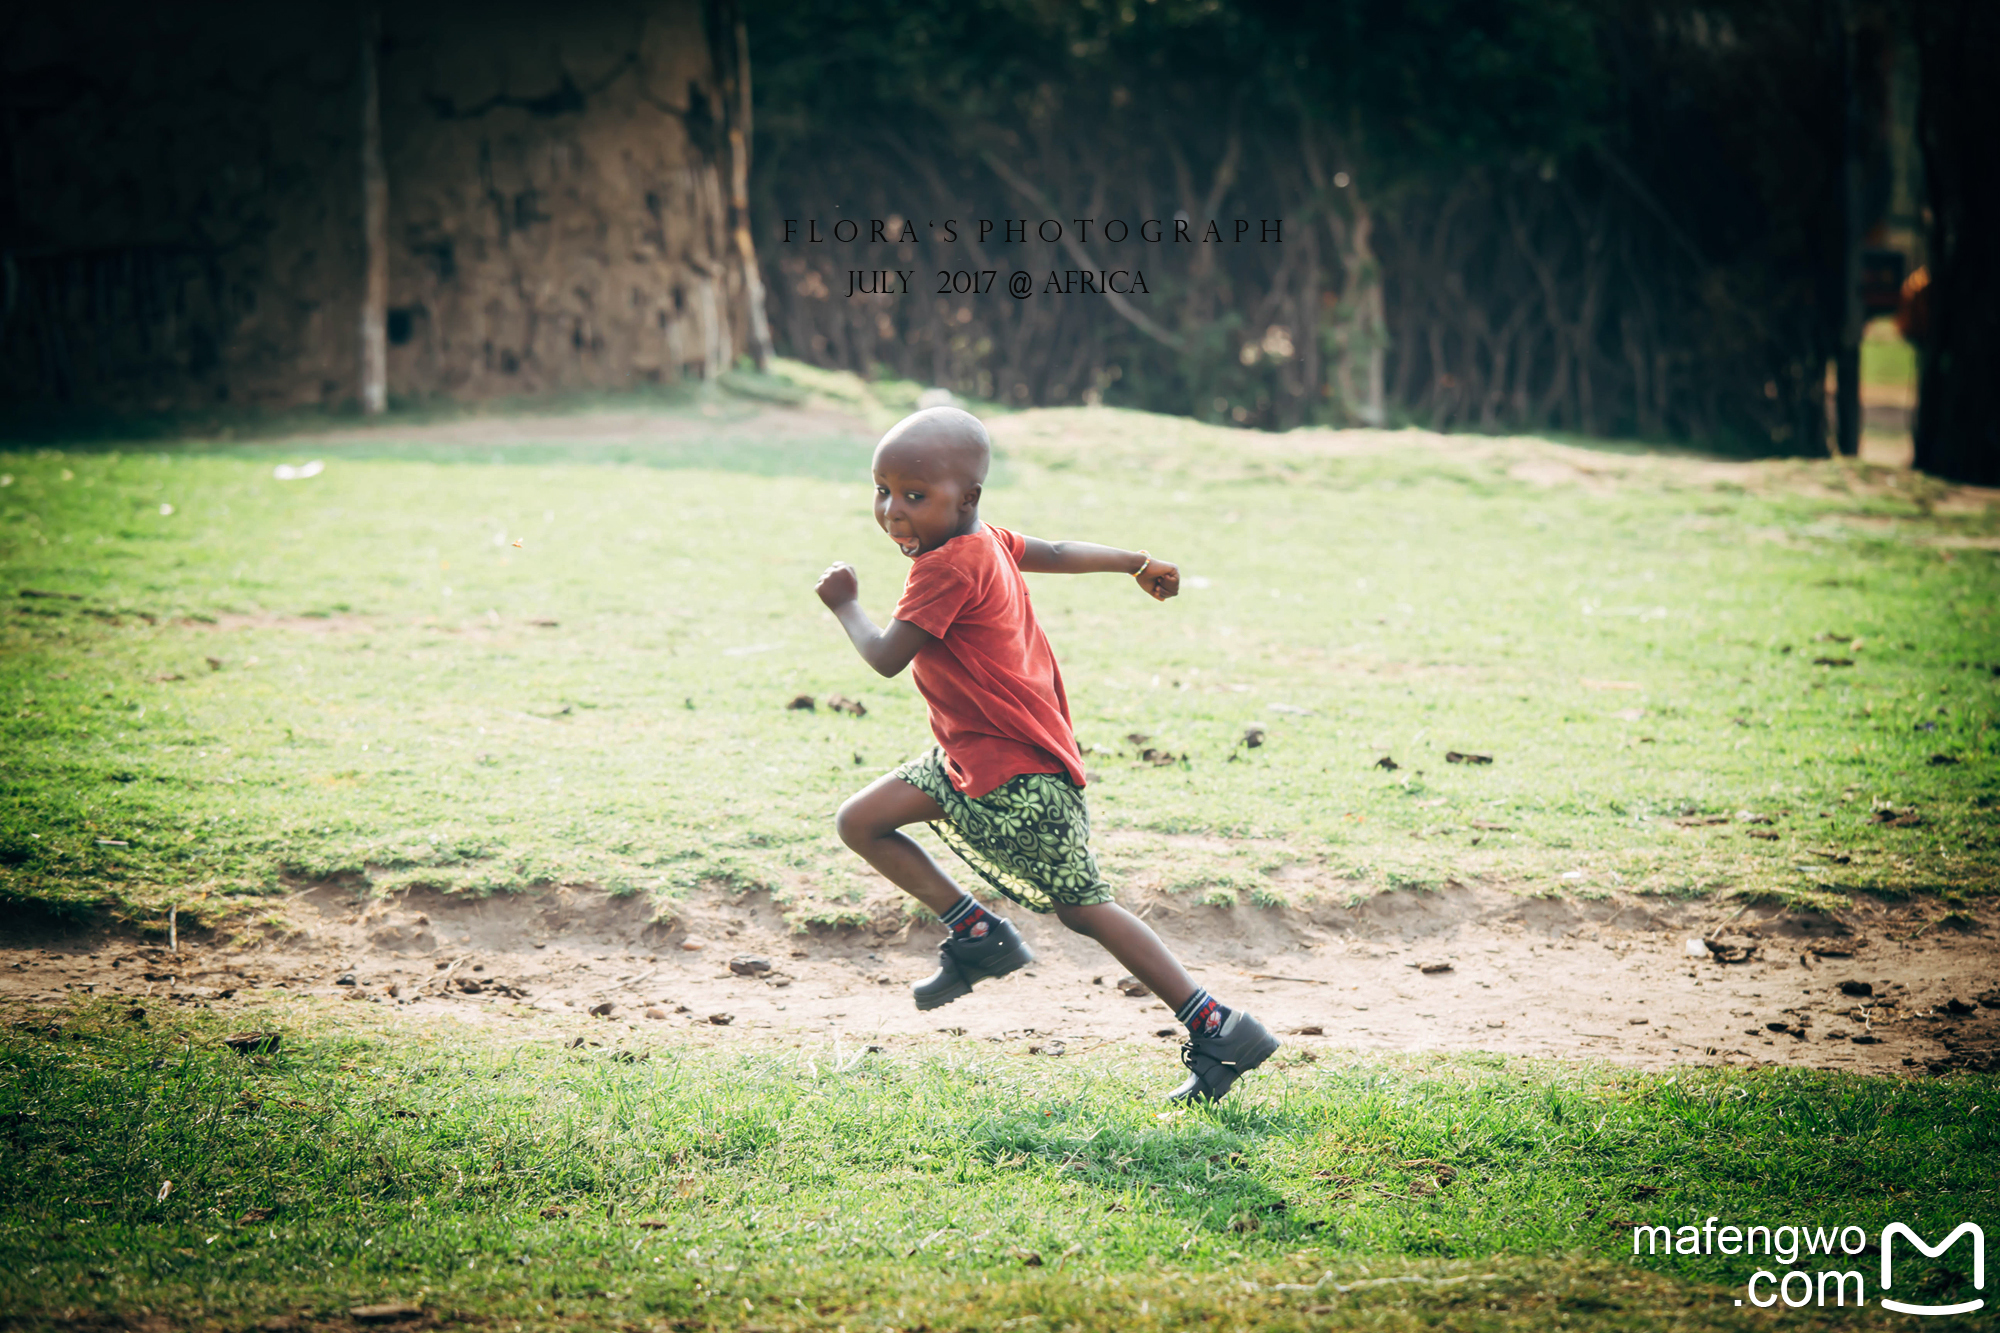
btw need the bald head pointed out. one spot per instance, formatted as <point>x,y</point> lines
<point>930,470</point>
<point>940,443</point>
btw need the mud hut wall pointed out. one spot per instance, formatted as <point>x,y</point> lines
<point>172,233</point>
<point>555,214</point>
<point>180,221</point>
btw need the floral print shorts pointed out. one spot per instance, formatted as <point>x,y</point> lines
<point>1029,837</point>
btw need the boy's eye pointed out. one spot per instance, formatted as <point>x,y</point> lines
<point>913,496</point>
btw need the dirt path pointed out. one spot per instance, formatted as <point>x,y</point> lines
<point>1466,968</point>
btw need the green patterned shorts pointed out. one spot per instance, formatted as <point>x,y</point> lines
<point>1029,837</point>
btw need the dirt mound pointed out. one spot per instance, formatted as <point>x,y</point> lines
<point>1468,967</point>
<point>425,921</point>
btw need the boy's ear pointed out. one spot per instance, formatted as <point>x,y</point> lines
<point>970,500</point>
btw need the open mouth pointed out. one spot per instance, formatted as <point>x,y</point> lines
<point>909,546</point>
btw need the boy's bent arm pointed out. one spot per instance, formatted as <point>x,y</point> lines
<point>1160,578</point>
<point>888,649</point>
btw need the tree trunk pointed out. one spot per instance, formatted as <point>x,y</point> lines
<point>1371,334</point>
<point>1359,335</point>
<point>374,226</point>
<point>1958,49</point>
<point>739,201</point>
<point>1309,363</point>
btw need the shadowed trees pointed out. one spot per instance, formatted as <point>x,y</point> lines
<point>1958,49</point>
<point>1621,217</point>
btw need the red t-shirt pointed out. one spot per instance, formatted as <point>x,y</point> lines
<point>996,698</point>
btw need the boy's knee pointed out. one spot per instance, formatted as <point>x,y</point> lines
<point>1076,918</point>
<point>851,824</point>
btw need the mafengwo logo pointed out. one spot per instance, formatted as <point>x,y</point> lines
<point>1895,1229</point>
<point>1825,1283</point>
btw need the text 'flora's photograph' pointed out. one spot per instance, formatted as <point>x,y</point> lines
<point>678,665</point>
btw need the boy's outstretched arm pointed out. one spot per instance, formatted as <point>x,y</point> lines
<point>1160,578</point>
<point>888,649</point>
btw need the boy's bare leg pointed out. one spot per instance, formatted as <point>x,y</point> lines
<point>1223,1043</point>
<point>870,822</point>
<point>1133,943</point>
<point>978,945</point>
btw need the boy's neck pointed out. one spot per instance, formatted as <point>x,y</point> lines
<point>965,529</point>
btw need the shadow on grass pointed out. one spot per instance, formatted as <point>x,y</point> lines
<point>89,430</point>
<point>440,1143</point>
<point>829,457</point>
<point>704,428</point>
<point>260,434</point>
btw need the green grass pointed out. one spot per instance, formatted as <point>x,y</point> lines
<point>1403,596</point>
<point>1886,358</point>
<point>398,691</point>
<point>523,1181</point>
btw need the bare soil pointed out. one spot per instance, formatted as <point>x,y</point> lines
<point>1881,988</point>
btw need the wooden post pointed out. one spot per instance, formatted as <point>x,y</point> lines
<point>739,201</point>
<point>374,226</point>
<point>1847,354</point>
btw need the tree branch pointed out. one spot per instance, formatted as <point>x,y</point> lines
<point>1132,314</point>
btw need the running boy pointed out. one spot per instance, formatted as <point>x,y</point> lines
<point>1004,785</point>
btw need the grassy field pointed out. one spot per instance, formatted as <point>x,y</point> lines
<point>152,1171</point>
<point>562,651</point>
<point>492,656</point>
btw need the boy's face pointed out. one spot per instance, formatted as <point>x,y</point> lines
<point>920,504</point>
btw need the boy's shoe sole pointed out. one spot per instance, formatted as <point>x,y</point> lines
<point>961,962</point>
<point>1215,1063</point>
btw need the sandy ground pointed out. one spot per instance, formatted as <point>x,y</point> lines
<point>1471,967</point>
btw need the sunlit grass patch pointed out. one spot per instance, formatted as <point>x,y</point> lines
<point>217,683</point>
<point>152,1166</point>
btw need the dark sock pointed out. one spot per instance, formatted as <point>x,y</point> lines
<point>968,920</point>
<point>1203,1014</point>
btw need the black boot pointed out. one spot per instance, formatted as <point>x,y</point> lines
<point>962,961</point>
<point>1215,1063</point>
